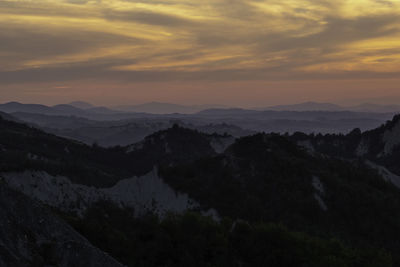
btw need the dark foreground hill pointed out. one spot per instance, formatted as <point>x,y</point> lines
<point>269,178</point>
<point>380,146</point>
<point>300,200</point>
<point>30,235</point>
<point>23,147</point>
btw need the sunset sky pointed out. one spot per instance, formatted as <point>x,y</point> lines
<point>232,52</point>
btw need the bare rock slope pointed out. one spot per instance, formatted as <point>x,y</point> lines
<point>30,235</point>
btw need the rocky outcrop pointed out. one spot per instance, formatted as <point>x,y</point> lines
<point>30,235</point>
<point>148,193</point>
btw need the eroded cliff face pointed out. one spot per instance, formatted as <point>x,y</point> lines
<point>378,148</point>
<point>30,235</point>
<point>148,193</point>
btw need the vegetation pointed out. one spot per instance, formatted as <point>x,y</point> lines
<point>26,148</point>
<point>194,240</point>
<point>265,180</point>
<point>268,178</point>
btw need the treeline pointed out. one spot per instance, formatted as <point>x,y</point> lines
<point>194,240</point>
<point>26,148</point>
<point>268,178</point>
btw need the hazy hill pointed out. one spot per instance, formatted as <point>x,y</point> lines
<point>292,121</point>
<point>124,132</point>
<point>96,113</point>
<point>165,108</point>
<point>316,106</point>
<point>12,107</point>
<point>307,106</point>
<point>368,107</point>
<point>81,105</point>
<point>293,115</point>
<point>7,116</point>
<point>248,120</point>
<point>18,107</point>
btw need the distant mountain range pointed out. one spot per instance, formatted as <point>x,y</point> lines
<point>169,108</point>
<point>368,107</point>
<point>89,112</point>
<point>62,109</point>
<point>107,127</point>
<point>306,106</point>
<point>315,106</point>
<point>84,109</point>
<point>165,108</point>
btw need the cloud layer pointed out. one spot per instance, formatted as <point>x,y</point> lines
<point>131,41</point>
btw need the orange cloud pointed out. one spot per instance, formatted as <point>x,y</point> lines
<point>131,41</point>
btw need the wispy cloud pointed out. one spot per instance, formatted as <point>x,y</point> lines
<point>158,40</point>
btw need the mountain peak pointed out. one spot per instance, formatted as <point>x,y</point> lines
<point>81,104</point>
<point>13,104</point>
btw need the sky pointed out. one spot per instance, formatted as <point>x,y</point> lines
<point>232,52</point>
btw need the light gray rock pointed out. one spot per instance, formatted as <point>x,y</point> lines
<point>30,235</point>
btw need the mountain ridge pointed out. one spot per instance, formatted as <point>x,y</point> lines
<point>326,106</point>
<point>323,190</point>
